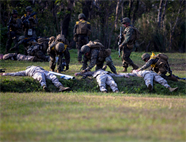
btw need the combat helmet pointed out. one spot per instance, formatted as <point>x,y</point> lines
<point>85,49</point>
<point>60,38</point>
<point>145,56</point>
<point>125,20</point>
<point>14,12</point>
<point>28,9</point>
<point>59,47</point>
<point>81,16</point>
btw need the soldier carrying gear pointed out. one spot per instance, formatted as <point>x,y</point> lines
<point>130,35</point>
<point>58,48</point>
<point>93,52</point>
<point>159,64</point>
<point>29,21</point>
<point>82,31</point>
<point>14,31</point>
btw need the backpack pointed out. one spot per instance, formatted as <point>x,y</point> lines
<point>82,28</point>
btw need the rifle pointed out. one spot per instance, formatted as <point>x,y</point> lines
<point>27,17</point>
<point>120,40</point>
<point>64,76</point>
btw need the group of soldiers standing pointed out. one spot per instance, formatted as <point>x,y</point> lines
<point>93,52</point>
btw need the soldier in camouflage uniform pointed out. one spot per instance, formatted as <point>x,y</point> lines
<point>58,47</point>
<point>103,78</point>
<point>41,75</point>
<point>149,77</point>
<point>30,24</point>
<point>82,30</point>
<point>20,57</point>
<point>159,64</point>
<point>36,49</point>
<point>14,31</point>
<point>92,52</point>
<point>129,36</point>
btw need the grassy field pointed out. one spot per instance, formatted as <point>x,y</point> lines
<point>84,114</point>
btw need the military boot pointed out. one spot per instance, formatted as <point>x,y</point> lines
<point>135,67</point>
<point>58,71</point>
<point>62,88</point>
<point>124,69</point>
<point>173,78</point>
<point>52,70</point>
<point>150,87</point>
<point>173,89</point>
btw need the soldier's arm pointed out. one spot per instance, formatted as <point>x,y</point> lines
<point>20,73</point>
<point>148,64</point>
<point>128,36</point>
<point>93,60</point>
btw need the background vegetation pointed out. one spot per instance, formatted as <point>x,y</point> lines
<point>161,22</point>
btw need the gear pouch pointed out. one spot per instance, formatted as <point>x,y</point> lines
<point>30,32</point>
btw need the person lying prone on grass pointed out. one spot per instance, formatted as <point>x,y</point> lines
<point>149,77</point>
<point>103,77</point>
<point>41,75</point>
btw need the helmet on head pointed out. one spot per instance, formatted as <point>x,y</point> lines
<point>85,49</point>
<point>21,37</point>
<point>81,16</point>
<point>28,9</point>
<point>125,20</point>
<point>60,38</point>
<point>145,56</point>
<point>14,12</point>
<point>59,47</point>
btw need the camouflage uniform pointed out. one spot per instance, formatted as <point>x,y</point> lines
<point>53,53</point>
<point>15,30</point>
<point>36,50</point>
<point>149,77</point>
<point>81,38</point>
<point>94,60</point>
<point>39,74</point>
<point>29,26</point>
<point>156,66</point>
<point>127,45</point>
<point>20,57</point>
<point>103,78</point>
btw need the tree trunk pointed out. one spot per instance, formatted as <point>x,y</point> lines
<point>65,22</point>
<point>163,16</point>
<point>175,23</point>
<point>135,11</point>
<point>130,8</point>
<point>159,13</point>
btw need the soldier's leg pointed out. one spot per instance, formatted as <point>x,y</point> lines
<point>124,63</point>
<point>148,78</point>
<point>59,62</point>
<point>52,62</point>
<point>110,81</point>
<point>8,44</point>
<point>161,80</point>
<point>41,78</point>
<point>53,78</point>
<point>109,62</point>
<point>79,45</point>
<point>101,79</point>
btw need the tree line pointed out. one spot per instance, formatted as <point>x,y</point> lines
<point>161,23</point>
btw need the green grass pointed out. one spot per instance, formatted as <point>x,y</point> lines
<point>85,114</point>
